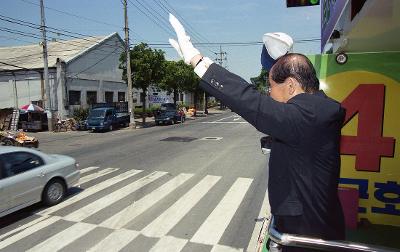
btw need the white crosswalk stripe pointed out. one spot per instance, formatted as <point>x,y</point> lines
<point>86,193</point>
<point>111,198</point>
<point>96,175</point>
<point>126,215</point>
<point>170,244</point>
<point>213,228</point>
<point>30,230</point>
<point>63,238</point>
<point>115,241</point>
<point>168,219</point>
<point>88,169</point>
<point>156,228</point>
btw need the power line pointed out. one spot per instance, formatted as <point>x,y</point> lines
<point>81,17</point>
<point>154,20</point>
<point>84,70</point>
<point>74,15</point>
<point>190,27</point>
<point>57,31</point>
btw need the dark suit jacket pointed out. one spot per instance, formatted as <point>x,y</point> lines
<point>305,160</point>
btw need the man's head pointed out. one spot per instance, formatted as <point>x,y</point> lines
<point>291,75</point>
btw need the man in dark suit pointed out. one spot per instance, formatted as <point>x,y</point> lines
<point>305,124</point>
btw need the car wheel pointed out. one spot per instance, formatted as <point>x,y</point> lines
<point>172,122</point>
<point>110,128</point>
<point>7,142</point>
<point>54,192</point>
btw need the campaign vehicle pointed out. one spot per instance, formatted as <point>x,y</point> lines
<point>28,176</point>
<point>107,116</point>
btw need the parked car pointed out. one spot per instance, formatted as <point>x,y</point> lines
<point>169,114</point>
<point>106,116</point>
<point>28,176</point>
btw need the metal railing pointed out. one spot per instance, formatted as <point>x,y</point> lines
<point>315,243</point>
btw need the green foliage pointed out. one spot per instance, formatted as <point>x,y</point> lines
<point>261,81</point>
<point>178,77</point>
<point>80,114</point>
<point>212,103</point>
<point>138,112</point>
<point>147,68</point>
<point>154,107</point>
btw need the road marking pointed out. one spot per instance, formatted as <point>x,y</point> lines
<point>113,197</point>
<point>63,238</point>
<point>224,118</point>
<point>211,138</point>
<point>86,193</point>
<point>264,212</point>
<point>226,122</point>
<point>211,231</point>
<point>28,231</point>
<point>132,211</point>
<point>170,244</point>
<point>168,219</point>
<point>97,175</point>
<point>88,169</point>
<point>29,224</point>
<point>222,248</point>
<point>115,241</point>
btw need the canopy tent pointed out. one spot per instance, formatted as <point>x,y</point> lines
<point>31,108</point>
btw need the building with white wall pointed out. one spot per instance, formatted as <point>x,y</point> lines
<point>81,72</point>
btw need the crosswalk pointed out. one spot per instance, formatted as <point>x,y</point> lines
<point>77,212</point>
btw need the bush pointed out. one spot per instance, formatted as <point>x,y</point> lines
<point>80,114</point>
<point>139,112</point>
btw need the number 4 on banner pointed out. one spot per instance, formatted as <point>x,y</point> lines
<point>369,146</point>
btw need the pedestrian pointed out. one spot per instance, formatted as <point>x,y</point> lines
<point>305,124</point>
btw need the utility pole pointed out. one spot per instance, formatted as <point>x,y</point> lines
<point>220,58</point>
<point>48,105</point>
<point>128,69</point>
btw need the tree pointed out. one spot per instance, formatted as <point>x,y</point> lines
<point>261,81</point>
<point>178,77</point>
<point>147,68</point>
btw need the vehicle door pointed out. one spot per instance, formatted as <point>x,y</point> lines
<point>23,178</point>
<point>5,198</point>
<point>109,116</point>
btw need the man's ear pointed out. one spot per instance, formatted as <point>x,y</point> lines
<point>292,85</point>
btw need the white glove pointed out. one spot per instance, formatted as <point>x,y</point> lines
<point>183,46</point>
<point>277,44</point>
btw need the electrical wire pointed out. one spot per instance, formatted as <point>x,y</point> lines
<point>154,20</point>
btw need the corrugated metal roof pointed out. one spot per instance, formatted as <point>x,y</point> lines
<point>31,56</point>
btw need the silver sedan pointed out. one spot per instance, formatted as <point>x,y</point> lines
<point>28,176</point>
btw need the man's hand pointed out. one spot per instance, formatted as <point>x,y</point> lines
<point>183,46</point>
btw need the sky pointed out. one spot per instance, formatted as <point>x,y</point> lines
<point>212,24</point>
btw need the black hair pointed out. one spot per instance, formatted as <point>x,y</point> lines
<point>297,66</point>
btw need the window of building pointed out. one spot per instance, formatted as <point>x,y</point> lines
<point>18,162</point>
<point>121,96</point>
<point>109,97</point>
<point>74,97</point>
<point>91,97</point>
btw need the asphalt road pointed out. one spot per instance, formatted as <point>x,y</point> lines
<point>197,186</point>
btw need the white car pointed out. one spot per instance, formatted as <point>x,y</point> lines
<point>28,176</point>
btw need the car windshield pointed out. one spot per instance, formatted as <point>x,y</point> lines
<point>168,106</point>
<point>96,113</point>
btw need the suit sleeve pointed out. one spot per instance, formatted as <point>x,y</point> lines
<point>267,115</point>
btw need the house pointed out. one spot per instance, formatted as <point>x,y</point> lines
<point>81,72</point>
